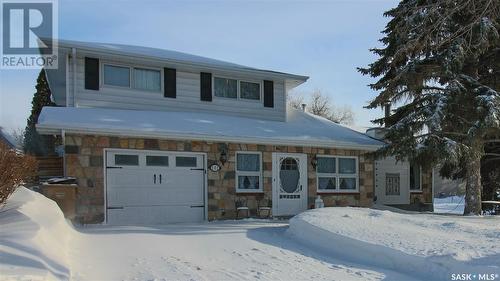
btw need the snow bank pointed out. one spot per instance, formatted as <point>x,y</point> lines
<point>422,245</point>
<point>449,205</point>
<point>33,238</point>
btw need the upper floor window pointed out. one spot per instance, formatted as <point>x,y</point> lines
<point>147,79</point>
<point>249,90</point>
<point>337,174</point>
<point>141,78</point>
<point>226,88</point>
<point>236,89</point>
<point>116,75</point>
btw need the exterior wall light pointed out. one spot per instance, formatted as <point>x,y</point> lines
<point>314,162</point>
<point>223,157</point>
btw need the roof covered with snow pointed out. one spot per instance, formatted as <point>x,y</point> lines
<point>7,138</point>
<point>302,129</point>
<point>171,56</point>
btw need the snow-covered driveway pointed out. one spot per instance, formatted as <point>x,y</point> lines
<point>36,243</point>
<point>242,250</point>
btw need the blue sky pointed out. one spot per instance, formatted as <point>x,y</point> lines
<point>325,40</point>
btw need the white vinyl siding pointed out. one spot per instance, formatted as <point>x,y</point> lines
<point>248,172</point>
<point>337,174</point>
<point>187,99</point>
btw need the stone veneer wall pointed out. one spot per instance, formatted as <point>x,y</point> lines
<point>84,160</point>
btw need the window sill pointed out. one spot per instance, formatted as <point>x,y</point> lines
<point>336,192</point>
<point>254,191</point>
<point>238,99</point>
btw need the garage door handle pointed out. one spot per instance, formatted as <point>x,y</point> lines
<point>154,178</point>
<point>160,178</point>
<point>197,206</point>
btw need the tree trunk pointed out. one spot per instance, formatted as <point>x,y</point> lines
<point>473,185</point>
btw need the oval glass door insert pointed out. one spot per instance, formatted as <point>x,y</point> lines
<point>289,175</point>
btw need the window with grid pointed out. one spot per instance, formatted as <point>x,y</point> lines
<point>248,172</point>
<point>337,174</point>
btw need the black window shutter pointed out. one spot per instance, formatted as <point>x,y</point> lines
<point>169,83</point>
<point>91,74</point>
<point>268,93</point>
<point>206,86</point>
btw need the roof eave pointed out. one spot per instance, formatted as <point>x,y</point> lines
<point>287,76</point>
<point>55,130</point>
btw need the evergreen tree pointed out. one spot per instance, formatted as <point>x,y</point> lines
<point>33,142</point>
<point>440,60</point>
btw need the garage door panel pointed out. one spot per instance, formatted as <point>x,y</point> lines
<point>154,215</point>
<point>147,194</point>
<point>129,196</point>
<point>125,177</point>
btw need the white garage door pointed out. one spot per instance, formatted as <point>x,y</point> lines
<point>154,187</point>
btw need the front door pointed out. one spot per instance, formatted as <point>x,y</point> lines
<point>289,184</point>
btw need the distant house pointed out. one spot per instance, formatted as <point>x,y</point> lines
<point>401,183</point>
<point>8,139</point>
<point>157,136</point>
<point>407,185</point>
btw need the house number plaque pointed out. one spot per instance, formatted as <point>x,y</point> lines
<point>214,168</point>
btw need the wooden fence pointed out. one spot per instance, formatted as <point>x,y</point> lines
<point>49,167</point>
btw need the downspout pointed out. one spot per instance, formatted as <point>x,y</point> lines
<point>63,136</point>
<point>73,61</point>
<point>67,92</point>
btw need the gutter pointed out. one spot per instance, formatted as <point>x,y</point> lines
<point>73,62</point>
<point>45,129</point>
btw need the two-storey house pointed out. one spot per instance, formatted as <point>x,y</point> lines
<point>157,136</point>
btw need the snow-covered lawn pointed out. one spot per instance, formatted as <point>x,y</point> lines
<point>449,205</point>
<point>426,246</point>
<point>37,244</point>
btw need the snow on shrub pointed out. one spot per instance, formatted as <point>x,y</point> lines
<point>15,168</point>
